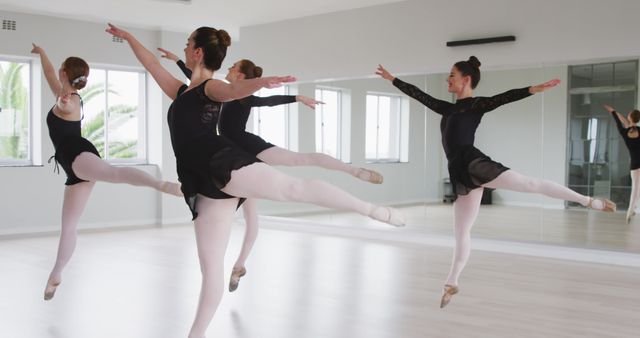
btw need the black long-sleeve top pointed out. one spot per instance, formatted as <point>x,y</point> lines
<point>184,69</point>
<point>460,120</point>
<point>235,114</point>
<point>633,144</point>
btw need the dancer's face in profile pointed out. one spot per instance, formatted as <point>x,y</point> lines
<point>234,73</point>
<point>192,55</point>
<point>456,81</point>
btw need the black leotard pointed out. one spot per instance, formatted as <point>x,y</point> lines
<point>633,144</point>
<point>235,114</point>
<point>68,142</point>
<point>204,159</point>
<point>469,168</point>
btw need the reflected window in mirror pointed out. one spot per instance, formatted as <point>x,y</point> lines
<point>330,133</point>
<point>598,161</point>
<point>272,123</point>
<point>387,128</point>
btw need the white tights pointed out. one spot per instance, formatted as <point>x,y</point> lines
<point>280,156</point>
<point>92,168</point>
<point>212,227</point>
<point>258,181</point>
<point>635,191</point>
<point>467,206</point>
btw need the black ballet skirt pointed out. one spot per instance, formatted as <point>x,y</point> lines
<point>468,167</point>
<point>234,117</point>
<point>68,142</point>
<point>204,159</point>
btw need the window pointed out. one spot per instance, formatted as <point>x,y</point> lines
<point>386,129</point>
<point>598,161</point>
<point>329,122</point>
<point>114,114</point>
<point>15,112</point>
<point>272,123</point>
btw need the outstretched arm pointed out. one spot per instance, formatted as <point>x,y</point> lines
<point>414,92</point>
<point>621,121</point>
<point>168,55</point>
<point>487,104</point>
<point>165,80</point>
<point>49,70</point>
<point>223,92</point>
<point>276,100</point>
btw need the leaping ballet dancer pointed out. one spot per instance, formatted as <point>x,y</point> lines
<point>78,157</point>
<point>469,169</point>
<point>232,125</point>
<point>628,128</point>
<point>215,172</point>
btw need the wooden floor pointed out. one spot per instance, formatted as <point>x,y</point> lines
<point>573,227</point>
<point>145,283</point>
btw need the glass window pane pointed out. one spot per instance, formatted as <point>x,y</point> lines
<point>272,121</point>
<point>14,111</point>
<point>625,73</point>
<point>371,142</point>
<point>602,75</point>
<point>94,98</point>
<point>123,111</point>
<point>598,158</point>
<point>328,122</point>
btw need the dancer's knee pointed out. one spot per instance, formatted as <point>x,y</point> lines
<point>295,190</point>
<point>532,184</point>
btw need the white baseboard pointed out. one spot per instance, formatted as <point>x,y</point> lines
<point>82,227</point>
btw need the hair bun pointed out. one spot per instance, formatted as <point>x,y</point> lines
<point>474,61</point>
<point>224,38</point>
<point>257,72</point>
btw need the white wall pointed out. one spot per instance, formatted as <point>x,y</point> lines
<point>32,196</point>
<point>410,36</point>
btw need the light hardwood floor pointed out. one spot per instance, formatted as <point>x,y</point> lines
<point>145,283</point>
<point>573,227</point>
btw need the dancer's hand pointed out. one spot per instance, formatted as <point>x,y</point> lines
<point>276,81</point>
<point>117,32</point>
<point>36,49</point>
<point>542,87</point>
<point>307,101</point>
<point>384,73</point>
<point>168,55</point>
<point>609,108</point>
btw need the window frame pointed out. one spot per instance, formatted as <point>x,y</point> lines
<point>143,126</point>
<point>33,133</point>
<point>341,152</point>
<point>401,110</point>
<point>256,120</point>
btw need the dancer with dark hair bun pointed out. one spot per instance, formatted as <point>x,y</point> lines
<point>232,125</point>
<point>628,129</point>
<point>78,157</point>
<point>215,172</point>
<point>469,169</point>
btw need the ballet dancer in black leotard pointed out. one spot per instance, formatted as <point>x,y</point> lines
<point>628,128</point>
<point>214,171</point>
<point>469,169</point>
<point>78,157</point>
<point>233,123</point>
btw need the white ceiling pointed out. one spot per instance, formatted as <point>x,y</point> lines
<point>175,15</point>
